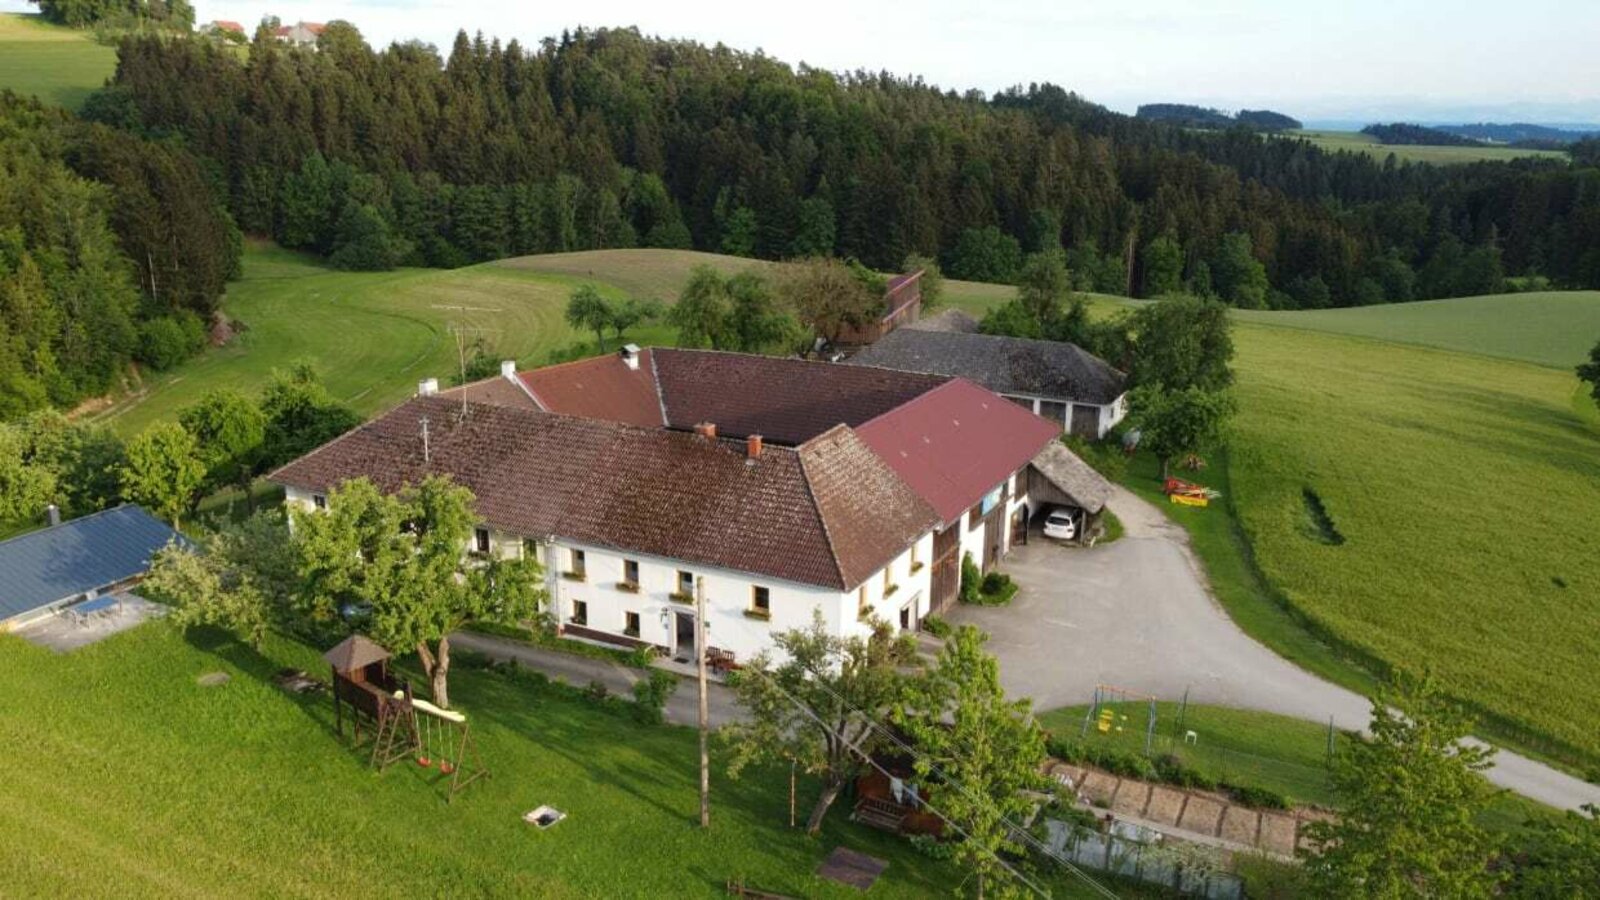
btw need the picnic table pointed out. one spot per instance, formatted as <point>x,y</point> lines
<point>81,613</point>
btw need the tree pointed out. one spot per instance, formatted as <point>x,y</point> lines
<point>1560,856</point>
<point>828,297</point>
<point>1410,797</point>
<point>228,430</point>
<point>1175,423</point>
<point>986,254</point>
<point>1590,372</point>
<point>1163,267</point>
<point>25,486</point>
<point>402,557</point>
<point>1043,284</point>
<point>931,282</point>
<point>300,415</point>
<point>703,310</point>
<point>634,311</point>
<point>200,589</point>
<point>816,229</point>
<point>1181,342</point>
<point>756,321</point>
<point>163,470</point>
<point>823,707</point>
<point>982,750</point>
<point>82,458</point>
<point>1239,277</point>
<point>588,309</point>
<point>364,241</point>
<point>740,232</point>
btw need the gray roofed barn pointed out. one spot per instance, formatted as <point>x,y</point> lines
<point>1005,365</point>
<point>55,565</point>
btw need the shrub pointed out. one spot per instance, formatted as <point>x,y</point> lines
<point>932,847</point>
<point>970,578</point>
<point>166,341</point>
<point>936,626</point>
<point>596,691</point>
<point>651,694</point>
<point>1171,769</point>
<point>1259,797</point>
<point>993,582</point>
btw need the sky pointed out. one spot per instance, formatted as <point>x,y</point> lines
<point>1353,59</point>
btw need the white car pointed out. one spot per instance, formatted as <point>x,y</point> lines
<point>1059,524</point>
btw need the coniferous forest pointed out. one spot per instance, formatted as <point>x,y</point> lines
<point>603,139</point>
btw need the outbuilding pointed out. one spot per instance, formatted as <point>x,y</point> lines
<point>45,570</point>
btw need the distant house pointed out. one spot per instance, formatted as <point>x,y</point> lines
<point>222,28</point>
<point>44,570</point>
<point>300,34</point>
<point>1060,381</point>
<point>902,305</point>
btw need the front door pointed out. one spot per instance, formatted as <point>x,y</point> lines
<point>683,645</point>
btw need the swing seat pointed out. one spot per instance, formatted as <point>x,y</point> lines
<point>445,768</point>
<point>424,762</point>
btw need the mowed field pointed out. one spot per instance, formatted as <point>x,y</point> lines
<point>126,778</point>
<point>61,66</point>
<point>1356,142</point>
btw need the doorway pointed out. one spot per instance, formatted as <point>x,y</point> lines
<point>683,633</point>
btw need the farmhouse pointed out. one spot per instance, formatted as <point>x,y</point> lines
<point>300,34</point>
<point>45,570</point>
<point>782,486</point>
<point>1054,379</point>
<point>219,27</point>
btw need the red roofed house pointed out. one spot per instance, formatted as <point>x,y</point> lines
<point>786,485</point>
<point>300,34</point>
<point>221,26</point>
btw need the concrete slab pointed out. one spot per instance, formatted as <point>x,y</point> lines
<point>1166,805</point>
<point>1131,798</point>
<point>61,634</point>
<point>1278,833</point>
<point>1240,824</point>
<point>1099,788</point>
<point>1202,815</point>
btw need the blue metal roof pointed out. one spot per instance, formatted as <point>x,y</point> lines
<point>57,563</point>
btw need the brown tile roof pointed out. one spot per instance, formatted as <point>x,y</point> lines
<point>787,401</point>
<point>602,387</point>
<point>829,514</point>
<point>497,390</point>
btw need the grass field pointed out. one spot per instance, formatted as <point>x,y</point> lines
<point>122,771</point>
<point>1356,142</point>
<point>58,65</point>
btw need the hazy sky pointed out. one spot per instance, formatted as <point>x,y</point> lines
<point>1314,60</point>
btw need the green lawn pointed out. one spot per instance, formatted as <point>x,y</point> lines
<point>61,66</point>
<point>1356,142</point>
<point>121,770</point>
<point>1552,328</point>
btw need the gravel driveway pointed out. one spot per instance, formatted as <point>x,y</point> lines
<point>1136,613</point>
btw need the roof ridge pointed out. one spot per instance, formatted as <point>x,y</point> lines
<point>655,380</point>
<point>811,495</point>
<point>948,380</point>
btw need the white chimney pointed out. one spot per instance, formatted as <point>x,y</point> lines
<point>52,514</point>
<point>427,387</point>
<point>508,368</point>
<point>630,355</point>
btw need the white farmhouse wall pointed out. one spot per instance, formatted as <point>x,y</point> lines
<point>1109,414</point>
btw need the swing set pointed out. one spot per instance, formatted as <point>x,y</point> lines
<point>363,686</point>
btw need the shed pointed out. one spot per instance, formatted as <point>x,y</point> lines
<point>44,570</point>
<point>1056,476</point>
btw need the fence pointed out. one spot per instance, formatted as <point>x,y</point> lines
<point>1187,868</point>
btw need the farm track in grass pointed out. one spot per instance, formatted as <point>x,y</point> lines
<point>59,65</point>
<point>163,788</point>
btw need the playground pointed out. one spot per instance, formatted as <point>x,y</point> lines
<point>128,770</point>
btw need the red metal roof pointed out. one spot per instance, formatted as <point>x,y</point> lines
<point>602,387</point>
<point>956,443</point>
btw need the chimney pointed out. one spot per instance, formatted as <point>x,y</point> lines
<point>706,429</point>
<point>508,368</point>
<point>52,514</point>
<point>427,387</point>
<point>752,446</point>
<point>630,355</point>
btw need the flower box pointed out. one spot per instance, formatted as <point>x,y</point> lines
<point>629,587</point>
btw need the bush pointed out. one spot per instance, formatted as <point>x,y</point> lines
<point>166,341</point>
<point>936,626</point>
<point>1258,797</point>
<point>970,578</point>
<point>1105,456</point>
<point>932,847</point>
<point>1267,878</point>
<point>596,691</point>
<point>651,694</point>
<point>993,582</point>
<point>1171,769</point>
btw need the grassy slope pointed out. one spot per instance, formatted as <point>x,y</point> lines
<point>58,65</point>
<point>1356,142</point>
<point>1552,328</point>
<point>122,771</point>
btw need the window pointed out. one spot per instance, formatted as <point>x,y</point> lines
<point>863,608</point>
<point>685,583</point>
<point>577,564</point>
<point>760,601</point>
<point>319,501</point>
<point>480,540</point>
<point>580,612</point>
<point>630,571</point>
<point>630,624</point>
<point>916,556</point>
<point>1054,410</point>
<point>530,548</point>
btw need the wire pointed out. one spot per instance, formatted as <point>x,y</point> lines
<point>867,758</point>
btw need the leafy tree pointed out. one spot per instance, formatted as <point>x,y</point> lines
<point>1164,266</point>
<point>229,430</point>
<point>1011,318</point>
<point>1175,423</point>
<point>364,241</point>
<point>82,458</point>
<point>633,312</point>
<point>986,254</point>
<point>932,281</point>
<point>300,415</point>
<point>1239,277</point>
<point>201,589</point>
<point>704,310</point>
<point>163,470</point>
<point>757,322</point>
<point>1561,856</point>
<point>828,297</point>
<point>25,486</point>
<point>403,558</point>
<point>588,309</point>
<point>822,707</point>
<point>1044,284</point>
<point>1590,372</point>
<point>1411,795</point>
<point>165,341</point>
<point>1182,342</point>
<point>981,749</point>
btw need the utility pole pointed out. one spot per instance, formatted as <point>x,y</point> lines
<point>705,709</point>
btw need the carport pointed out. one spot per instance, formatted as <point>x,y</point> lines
<point>1057,477</point>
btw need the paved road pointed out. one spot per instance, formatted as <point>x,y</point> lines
<point>1137,613</point>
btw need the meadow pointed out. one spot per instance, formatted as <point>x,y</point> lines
<point>60,66</point>
<point>123,771</point>
<point>1356,142</point>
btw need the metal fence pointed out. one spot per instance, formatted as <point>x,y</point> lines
<point>1190,869</point>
